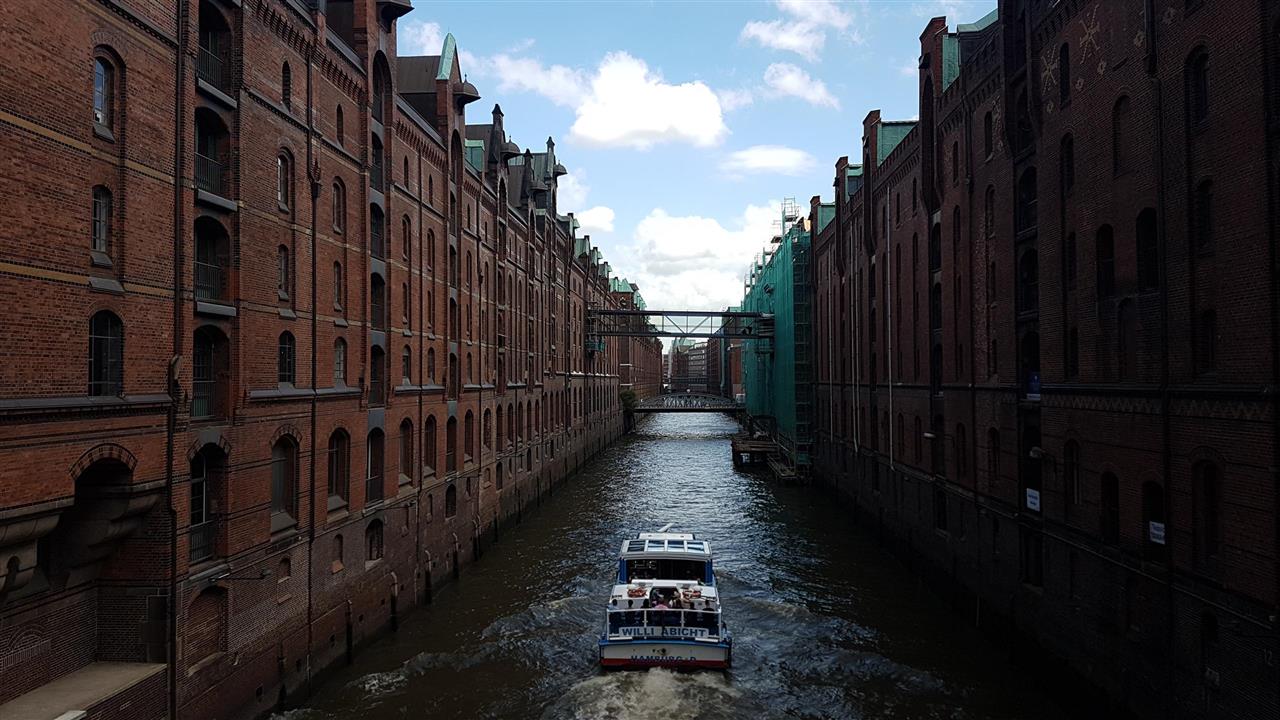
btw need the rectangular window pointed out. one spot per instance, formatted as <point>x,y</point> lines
<point>101,219</point>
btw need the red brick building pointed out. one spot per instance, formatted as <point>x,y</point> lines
<point>288,342</point>
<point>1047,339</point>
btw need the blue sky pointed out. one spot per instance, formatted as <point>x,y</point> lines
<point>685,124</point>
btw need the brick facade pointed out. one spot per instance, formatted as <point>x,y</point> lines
<point>348,347</point>
<point>1047,341</point>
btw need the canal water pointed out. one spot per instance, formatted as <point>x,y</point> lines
<point>826,624</point>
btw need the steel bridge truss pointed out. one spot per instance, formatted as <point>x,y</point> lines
<point>727,324</point>
<point>687,402</point>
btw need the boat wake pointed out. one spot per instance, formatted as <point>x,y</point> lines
<point>656,694</point>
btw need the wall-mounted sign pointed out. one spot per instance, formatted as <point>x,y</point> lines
<point>1033,500</point>
<point>1155,532</point>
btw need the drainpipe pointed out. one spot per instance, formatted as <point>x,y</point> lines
<point>179,240</point>
<point>314,172</point>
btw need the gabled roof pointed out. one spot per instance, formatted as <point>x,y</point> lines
<point>416,74</point>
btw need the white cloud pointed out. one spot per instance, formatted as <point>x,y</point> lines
<point>788,80</point>
<point>597,219</point>
<point>734,99</point>
<point>910,68</point>
<point>804,27</point>
<point>818,12</point>
<point>560,84</point>
<point>420,39</point>
<point>631,106</point>
<point>695,262</point>
<point>955,11</point>
<point>777,159</point>
<point>802,38</point>
<point>571,190</point>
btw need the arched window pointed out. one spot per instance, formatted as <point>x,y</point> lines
<point>1120,127</point>
<point>1126,340</point>
<point>989,212</point>
<point>375,460</point>
<point>1148,250</point>
<point>1207,342</point>
<point>339,362</point>
<point>1064,74</point>
<point>955,162</point>
<point>407,472</point>
<point>406,237</point>
<point>284,180</point>
<point>431,249</point>
<point>918,440</point>
<point>1106,258</point>
<point>429,446</point>
<point>1110,503</point>
<point>1207,510</point>
<point>339,286</point>
<point>373,541</point>
<point>339,131</point>
<point>210,363</point>
<point>469,436</point>
<point>339,209</point>
<point>338,555</point>
<point>102,212</point>
<point>377,233</point>
<point>286,86</point>
<point>284,480</point>
<point>1071,473</point>
<point>284,272</point>
<point>1202,217</point>
<point>1028,281</point>
<point>486,429</point>
<point>377,377</point>
<point>455,377</point>
<point>406,365</point>
<point>962,451</point>
<point>1198,88</point>
<point>339,468</point>
<point>500,479</point>
<point>106,354</point>
<point>431,366</point>
<point>1069,270</point>
<point>404,304</point>
<point>207,477</point>
<point>451,501</point>
<point>1028,192</point>
<point>501,428</point>
<point>286,358</point>
<point>377,303</point>
<point>451,445</point>
<point>104,88</point>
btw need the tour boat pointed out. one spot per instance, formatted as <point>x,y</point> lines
<point>664,610</point>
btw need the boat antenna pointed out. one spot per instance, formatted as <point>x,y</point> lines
<point>666,527</point>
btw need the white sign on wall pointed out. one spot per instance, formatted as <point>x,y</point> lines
<point>1033,500</point>
<point>1155,531</point>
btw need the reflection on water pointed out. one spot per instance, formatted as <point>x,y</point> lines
<point>825,624</point>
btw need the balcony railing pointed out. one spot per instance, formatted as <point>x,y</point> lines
<point>637,622</point>
<point>210,281</point>
<point>373,489</point>
<point>209,175</point>
<point>202,537</point>
<point>203,398</point>
<point>211,68</point>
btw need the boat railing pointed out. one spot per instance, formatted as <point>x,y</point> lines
<point>663,623</point>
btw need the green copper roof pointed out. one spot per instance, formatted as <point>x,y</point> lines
<point>982,24</point>
<point>826,213</point>
<point>950,60</point>
<point>475,153</point>
<point>890,136</point>
<point>446,57</point>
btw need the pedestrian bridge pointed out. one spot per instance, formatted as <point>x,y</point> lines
<point>688,402</point>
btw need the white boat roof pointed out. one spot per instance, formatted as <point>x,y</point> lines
<point>666,545</point>
<point>620,591</point>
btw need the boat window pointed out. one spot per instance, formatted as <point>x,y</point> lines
<point>647,569</point>
<point>635,546</point>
